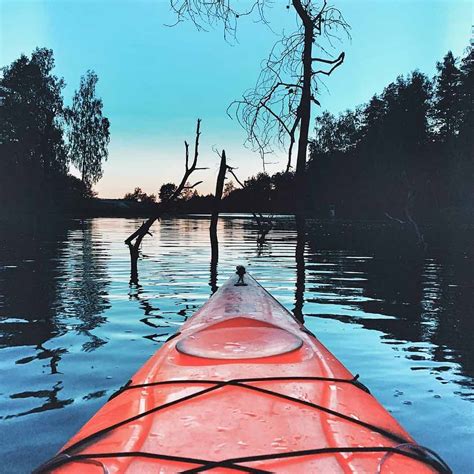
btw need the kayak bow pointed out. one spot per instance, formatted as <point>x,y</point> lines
<point>243,387</point>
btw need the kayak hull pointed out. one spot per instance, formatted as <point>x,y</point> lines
<point>242,387</point>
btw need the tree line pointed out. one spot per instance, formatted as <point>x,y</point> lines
<point>405,155</point>
<point>40,137</point>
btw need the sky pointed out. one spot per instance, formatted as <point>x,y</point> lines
<point>156,80</point>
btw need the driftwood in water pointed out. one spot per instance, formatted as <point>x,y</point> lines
<point>408,211</point>
<point>265,224</point>
<point>214,220</point>
<point>134,240</point>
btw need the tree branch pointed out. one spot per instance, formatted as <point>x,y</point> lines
<point>134,240</point>
<point>336,63</point>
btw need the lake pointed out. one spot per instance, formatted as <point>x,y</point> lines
<point>72,329</point>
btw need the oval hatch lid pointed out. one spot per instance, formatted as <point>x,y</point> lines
<point>246,340</point>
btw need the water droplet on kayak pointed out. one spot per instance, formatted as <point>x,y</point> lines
<point>189,420</point>
<point>407,402</point>
<point>279,443</point>
<point>242,443</point>
<point>108,377</point>
<point>219,447</point>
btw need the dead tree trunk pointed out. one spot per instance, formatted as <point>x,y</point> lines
<point>134,241</point>
<point>304,109</point>
<point>215,211</point>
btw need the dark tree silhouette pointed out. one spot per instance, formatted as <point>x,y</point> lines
<point>139,196</point>
<point>88,131</point>
<point>33,154</point>
<point>229,188</point>
<point>278,109</point>
<point>467,94</point>
<point>447,103</point>
<point>392,158</point>
<point>166,191</point>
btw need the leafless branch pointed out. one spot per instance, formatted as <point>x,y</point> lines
<point>192,186</point>
<point>208,13</point>
<point>134,240</point>
<point>336,63</point>
<point>271,111</point>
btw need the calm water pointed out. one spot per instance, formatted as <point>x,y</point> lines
<point>72,330</point>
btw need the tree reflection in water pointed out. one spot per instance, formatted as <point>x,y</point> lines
<point>54,282</point>
<point>419,302</point>
<point>386,315</point>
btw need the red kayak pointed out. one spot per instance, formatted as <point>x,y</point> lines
<point>243,387</point>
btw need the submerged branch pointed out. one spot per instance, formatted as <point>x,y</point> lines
<point>134,240</point>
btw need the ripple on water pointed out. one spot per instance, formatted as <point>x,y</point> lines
<point>72,329</point>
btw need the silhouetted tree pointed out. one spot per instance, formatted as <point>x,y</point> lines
<point>139,196</point>
<point>458,144</point>
<point>33,155</point>
<point>392,156</point>
<point>447,100</point>
<point>280,104</point>
<point>229,188</point>
<point>166,191</point>
<point>88,131</point>
<point>467,94</point>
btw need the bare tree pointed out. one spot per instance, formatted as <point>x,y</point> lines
<point>134,240</point>
<point>278,109</point>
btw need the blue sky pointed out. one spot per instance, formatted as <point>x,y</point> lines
<point>156,80</point>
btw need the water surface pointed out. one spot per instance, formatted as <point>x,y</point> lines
<point>72,329</point>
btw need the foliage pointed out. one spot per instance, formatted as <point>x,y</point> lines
<point>166,191</point>
<point>390,157</point>
<point>88,131</point>
<point>33,153</point>
<point>34,158</point>
<point>139,196</point>
<point>447,103</point>
<point>229,188</point>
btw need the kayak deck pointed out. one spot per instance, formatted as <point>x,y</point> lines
<point>243,387</point>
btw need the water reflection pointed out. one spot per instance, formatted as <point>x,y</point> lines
<point>414,301</point>
<point>53,281</point>
<point>54,356</point>
<point>86,283</point>
<point>300,270</point>
<point>53,401</point>
<point>72,329</point>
